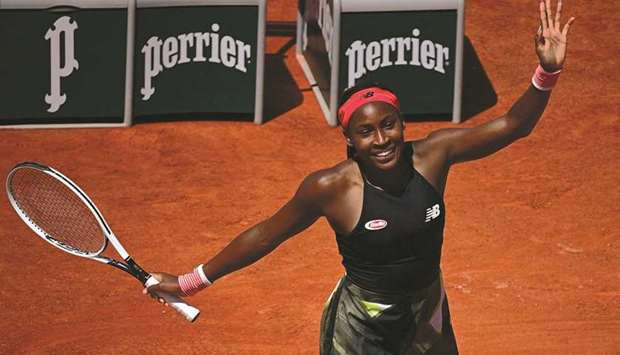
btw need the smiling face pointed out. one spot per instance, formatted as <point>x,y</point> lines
<point>376,131</point>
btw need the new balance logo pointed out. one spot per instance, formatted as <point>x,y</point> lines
<point>432,213</point>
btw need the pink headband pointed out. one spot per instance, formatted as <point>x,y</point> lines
<point>362,97</point>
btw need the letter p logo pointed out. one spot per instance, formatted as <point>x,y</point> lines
<point>62,26</point>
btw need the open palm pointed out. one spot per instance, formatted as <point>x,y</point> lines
<point>551,39</point>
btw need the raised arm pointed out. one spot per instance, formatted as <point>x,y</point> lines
<point>463,144</point>
<point>301,211</point>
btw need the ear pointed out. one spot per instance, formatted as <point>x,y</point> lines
<point>346,137</point>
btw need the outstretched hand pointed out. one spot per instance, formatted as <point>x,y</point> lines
<point>167,283</point>
<point>550,39</point>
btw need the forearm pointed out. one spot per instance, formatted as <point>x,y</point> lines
<point>550,44</point>
<point>242,251</point>
<point>298,214</point>
<point>526,112</point>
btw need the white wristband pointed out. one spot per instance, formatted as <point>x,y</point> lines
<point>202,275</point>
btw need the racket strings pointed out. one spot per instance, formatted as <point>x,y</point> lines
<point>56,211</point>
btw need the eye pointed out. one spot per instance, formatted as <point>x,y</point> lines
<point>389,123</point>
<point>364,130</point>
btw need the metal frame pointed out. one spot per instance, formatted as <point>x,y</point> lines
<point>458,69</point>
<point>330,110</point>
<point>260,61</point>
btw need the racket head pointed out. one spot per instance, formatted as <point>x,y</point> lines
<point>56,209</point>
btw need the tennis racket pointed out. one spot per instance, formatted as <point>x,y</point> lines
<point>58,211</point>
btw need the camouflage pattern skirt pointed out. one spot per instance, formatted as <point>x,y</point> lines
<point>357,321</point>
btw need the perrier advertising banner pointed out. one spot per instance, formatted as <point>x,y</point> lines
<point>195,59</point>
<point>60,67</point>
<point>411,52</point>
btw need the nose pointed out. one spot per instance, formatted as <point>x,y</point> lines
<point>380,137</point>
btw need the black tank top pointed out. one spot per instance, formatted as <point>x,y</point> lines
<point>396,245</point>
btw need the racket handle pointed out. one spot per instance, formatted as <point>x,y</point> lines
<point>189,312</point>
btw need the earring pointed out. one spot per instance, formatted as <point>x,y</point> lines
<point>349,143</point>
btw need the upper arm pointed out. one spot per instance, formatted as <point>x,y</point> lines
<point>464,144</point>
<point>300,212</point>
<point>296,215</point>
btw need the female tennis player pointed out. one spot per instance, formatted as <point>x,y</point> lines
<point>385,205</point>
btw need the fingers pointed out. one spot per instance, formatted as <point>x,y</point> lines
<point>567,26</point>
<point>148,291</point>
<point>160,283</point>
<point>162,301</point>
<point>538,38</point>
<point>548,13</point>
<point>151,292</point>
<point>151,289</point>
<point>543,16</point>
<point>548,23</point>
<point>558,13</point>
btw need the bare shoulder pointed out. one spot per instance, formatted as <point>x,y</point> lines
<point>336,193</point>
<point>434,142</point>
<point>422,149</point>
<point>334,180</point>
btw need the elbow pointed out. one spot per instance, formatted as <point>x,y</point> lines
<point>523,132</point>
<point>265,242</point>
<point>267,245</point>
<point>528,128</point>
<point>520,128</point>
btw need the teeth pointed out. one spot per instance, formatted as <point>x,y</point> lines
<point>382,154</point>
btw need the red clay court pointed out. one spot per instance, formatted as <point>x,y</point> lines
<point>530,257</point>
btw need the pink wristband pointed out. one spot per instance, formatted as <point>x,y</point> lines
<point>194,281</point>
<point>543,80</point>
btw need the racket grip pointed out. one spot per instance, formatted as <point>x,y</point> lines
<point>188,311</point>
